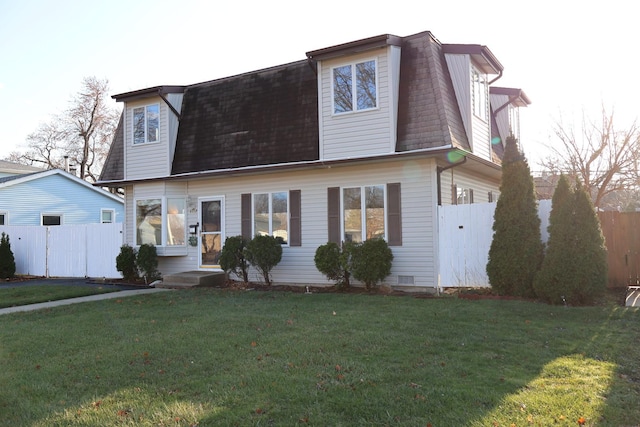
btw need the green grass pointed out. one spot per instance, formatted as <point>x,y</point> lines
<point>208,357</point>
<point>22,295</point>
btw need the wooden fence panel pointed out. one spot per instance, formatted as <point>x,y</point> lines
<point>621,231</point>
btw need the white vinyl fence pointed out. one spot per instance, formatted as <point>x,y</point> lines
<point>466,232</point>
<point>87,250</point>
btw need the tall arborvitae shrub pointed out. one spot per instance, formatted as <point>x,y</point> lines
<point>7,260</point>
<point>516,249</point>
<point>553,281</point>
<point>574,270</point>
<point>591,253</point>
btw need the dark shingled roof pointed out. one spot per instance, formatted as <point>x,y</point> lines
<point>428,113</point>
<point>260,118</point>
<point>270,116</point>
<point>113,169</point>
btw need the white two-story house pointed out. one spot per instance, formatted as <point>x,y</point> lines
<point>356,141</point>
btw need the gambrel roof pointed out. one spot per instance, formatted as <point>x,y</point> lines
<point>270,116</point>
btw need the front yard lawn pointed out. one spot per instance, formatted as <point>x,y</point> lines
<point>208,357</point>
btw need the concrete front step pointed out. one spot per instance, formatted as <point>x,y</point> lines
<point>190,279</point>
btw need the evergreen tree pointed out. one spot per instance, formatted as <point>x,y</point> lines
<point>7,261</point>
<point>590,262</point>
<point>556,272</point>
<point>516,249</point>
<point>574,269</point>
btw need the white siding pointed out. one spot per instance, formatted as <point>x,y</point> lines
<point>481,138</point>
<point>416,257</point>
<point>478,130</point>
<point>148,160</point>
<point>460,71</point>
<point>176,101</point>
<point>502,117</point>
<point>362,133</point>
<point>464,179</point>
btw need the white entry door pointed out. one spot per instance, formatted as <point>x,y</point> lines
<point>211,234</point>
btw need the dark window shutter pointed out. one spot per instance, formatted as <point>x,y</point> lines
<point>295,223</point>
<point>245,212</point>
<point>490,196</point>
<point>454,194</point>
<point>333,211</point>
<point>394,215</point>
<point>470,195</point>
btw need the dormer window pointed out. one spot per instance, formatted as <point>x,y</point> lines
<point>355,87</point>
<point>146,124</point>
<point>479,94</point>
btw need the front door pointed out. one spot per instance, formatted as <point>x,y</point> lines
<point>211,231</point>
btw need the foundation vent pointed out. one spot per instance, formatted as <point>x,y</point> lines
<point>405,280</point>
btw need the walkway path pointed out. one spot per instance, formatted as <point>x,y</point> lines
<point>98,297</point>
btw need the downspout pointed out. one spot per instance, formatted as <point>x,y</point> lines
<point>494,80</point>
<point>439,171</point>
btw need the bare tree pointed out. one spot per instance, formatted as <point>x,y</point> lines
<point>83,133</point>
<point>602,157</point>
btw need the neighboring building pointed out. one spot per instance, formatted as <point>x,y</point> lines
<point>11,169</point>
<point>54,197</point>
<point>357,141</point>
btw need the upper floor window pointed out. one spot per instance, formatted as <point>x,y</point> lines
<point>107,216</point>
<point>3,218</point>
<point>355,87</point>
<point>479,94</point>
<point>146,124</point>
<point>271,215</point>
<point>363,213</point>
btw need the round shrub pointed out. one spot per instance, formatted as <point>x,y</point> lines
<point>232,258</point>
<point>334,261</point>
<point>126,262</point>
<point>264,252</point>
<point>372,262</point>
<point>147,262</point>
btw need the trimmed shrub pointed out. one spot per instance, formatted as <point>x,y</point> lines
<point>7,260</point>
<point>232,258</point>
<point>335,262</point>
<point>147,262</point>
<point>264,252</point>
<point>372,262</point>
<point>126,262</point>
<point>516,250</point>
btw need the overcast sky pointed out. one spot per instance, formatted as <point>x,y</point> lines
<point>568,56</point>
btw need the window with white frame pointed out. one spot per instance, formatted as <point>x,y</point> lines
<point>464,196</point>
<point>146,124</point>
<point>355,87</point>
<point>4,218</point>
<point>161,221</point>
<point>479,94</point>
<point>271,215</point>
<point>107,216</point>
<point>51,219</point>
<point>363,213</point>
